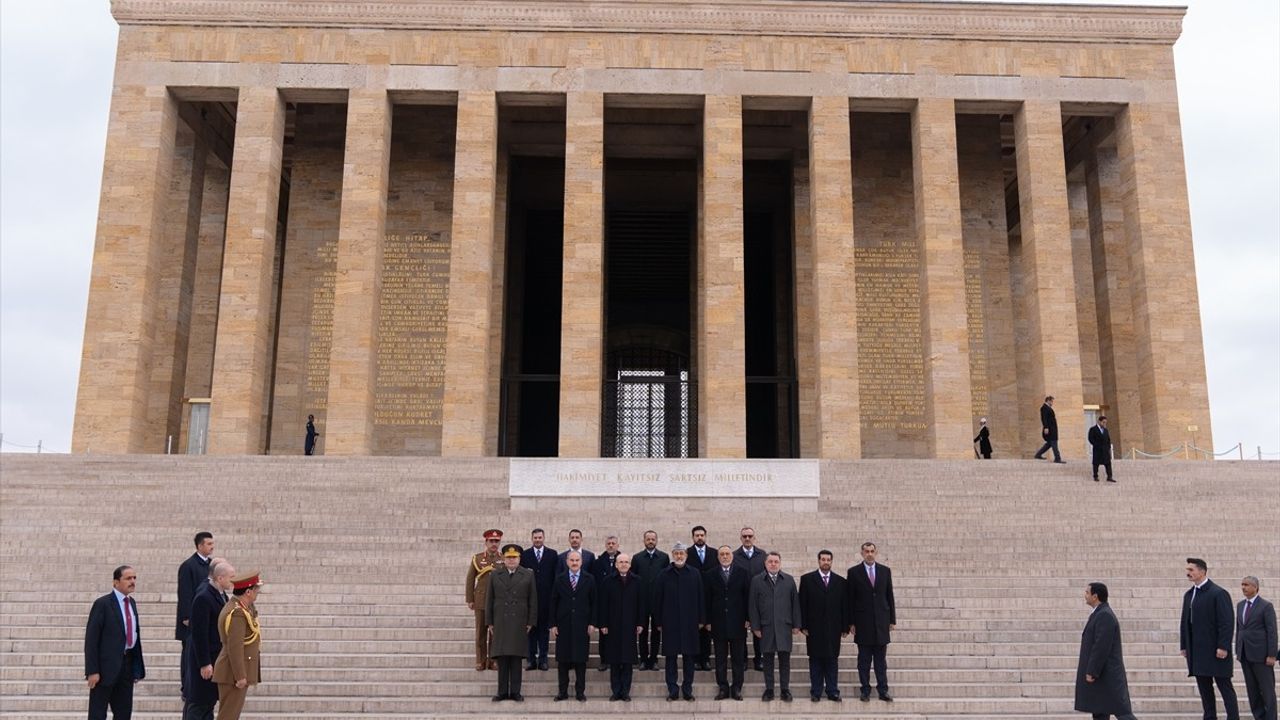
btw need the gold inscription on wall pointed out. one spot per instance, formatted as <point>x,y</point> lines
<point>411,330</point>
<point>891,366</point>
<point>321,340</point>
<point>978,375</point>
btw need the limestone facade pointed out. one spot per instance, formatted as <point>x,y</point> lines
<point>313,214</point>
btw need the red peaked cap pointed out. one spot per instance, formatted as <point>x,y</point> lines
<point>246,581</point>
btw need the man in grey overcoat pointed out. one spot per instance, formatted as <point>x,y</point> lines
<point>1102,688</point>
<point>510,611</point>
<point>1205,639</point>
<point>774,610</point>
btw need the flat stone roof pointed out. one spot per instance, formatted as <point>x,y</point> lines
<point>816,18</point>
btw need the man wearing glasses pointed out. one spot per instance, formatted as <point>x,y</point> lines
<point>751,558</point>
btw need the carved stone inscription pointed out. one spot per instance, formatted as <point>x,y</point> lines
<point>975,310</point>
<point>411,330</point>
<point>889,344</point>
<point>317,370</point>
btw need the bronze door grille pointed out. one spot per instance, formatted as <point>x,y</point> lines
<point>649,406</point>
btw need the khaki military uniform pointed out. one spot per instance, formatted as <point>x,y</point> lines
<point>477,590</point>
<point>239,631</point>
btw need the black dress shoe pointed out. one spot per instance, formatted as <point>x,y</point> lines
<point>815,698</point>
<point>542,666</point>
<point>736,695</point>
<point>517,697</point>
<point>1095,479</point>
<point>786,696</point>
<point>1111,479</point>
<point>499,698</point>
<point>835,698</point>
<point>580,697</point>
<point>602,668</point>
<point>561,696</point>
<point>1059,462</point>
<point>886,697</point>
<point>672,697</point>
<point>722,694</point>
<point>865,697</point>
<point>531,666</point>
<point>758,666</point>
<point>767,696</point>
<point>615,698</point>
<point>626,698</point>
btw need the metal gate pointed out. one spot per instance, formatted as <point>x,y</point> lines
<point>650,405</point>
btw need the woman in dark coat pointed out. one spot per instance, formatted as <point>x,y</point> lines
<point>1102,688</point>
<point>621,617</point>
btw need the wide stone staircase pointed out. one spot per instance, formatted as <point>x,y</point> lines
<point>364,560</point>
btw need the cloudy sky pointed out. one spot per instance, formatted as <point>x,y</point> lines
<point>55,83</point>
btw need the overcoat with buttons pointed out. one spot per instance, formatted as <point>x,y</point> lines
<point>511,606</point>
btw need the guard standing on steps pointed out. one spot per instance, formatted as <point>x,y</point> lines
<point>477,587</point>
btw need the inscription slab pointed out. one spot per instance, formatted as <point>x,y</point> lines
<point>557,477</point>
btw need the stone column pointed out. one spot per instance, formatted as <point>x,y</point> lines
<point>115,366</point>
<point>806,344</point>
<point>1166,306</point>
<point>466,366</point>
<point>242,349</point>
<point>1052,330</point>
<point>835,302</point>
<point>582,304</point>
<point>944,315</point>
<point>1112,288</point>
<point>353,356</point>
<point>722,370</point>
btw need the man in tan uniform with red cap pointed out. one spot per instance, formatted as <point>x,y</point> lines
<point>238,665</point>
<point>477,588</point>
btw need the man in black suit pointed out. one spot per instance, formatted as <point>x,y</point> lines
<point>604,567</point>
<point>1256,647</point>
<point>647,565</point>
<point>1100,440</point>
<point>1102,687</point>
<point>1048,430</point>
<point>751,558</point>
<point>726,590</point>
<point>575,545</point>
<point>113,648</point>
<point>701,557</point>
<point>573,618</point>
<point>205,643</point>
<point>542,561</point>
<point>824,619</point>
<point>1205,639</point>
<point>873,614</point>
<point>192,573</point>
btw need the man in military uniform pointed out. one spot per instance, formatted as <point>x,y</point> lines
<point>238,665</point>
<point>482,563</point>
<point>511,610</point>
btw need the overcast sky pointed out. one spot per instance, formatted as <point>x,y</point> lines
<point>55,84</point>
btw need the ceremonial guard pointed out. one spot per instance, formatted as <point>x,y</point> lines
<point>237,666</point>
<point>477,588</point>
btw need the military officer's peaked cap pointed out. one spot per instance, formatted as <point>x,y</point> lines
<point>511,550</point>
<point>494,534</point>
<point>246,580</point>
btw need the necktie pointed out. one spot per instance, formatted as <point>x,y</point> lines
<point>538,553</point>
<point>1244,616</point>
<point>573,582</point>
<point>871,574</point>
<point>726,574</point>
<point>128,626</point>
<point>773,581</point>
<point>224,598</point>
<point>825,580</point>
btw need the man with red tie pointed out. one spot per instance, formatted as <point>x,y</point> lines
<point>113,649</point>
<point>873,614</point>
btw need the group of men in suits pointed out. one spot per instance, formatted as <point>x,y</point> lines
<point>684,605</point>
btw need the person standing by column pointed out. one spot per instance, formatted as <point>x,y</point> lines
<point>510,611</point>
<point>1256,647</point>
<point>774,609</point>
<point>1100,441</point>
<point>679,610</point>
<point>727,587</point>
<point>983,439</point>
<point>1205,639</point>
<point>1102,687</point>
<point>1049,430</point>
<point>874,615</point>
<point>621,617</point>
<point>113,660</point>
<point>192,573</point>
<point>309,447</point>
<point>648,564</point>
<point>238,665</point>
<point>541,561</point>
<point>476,590</point>
<point>824,620</point>
<point>206,644</point>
